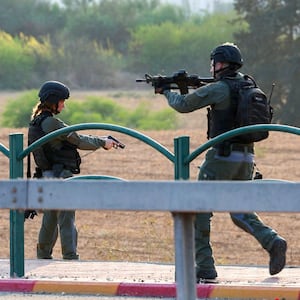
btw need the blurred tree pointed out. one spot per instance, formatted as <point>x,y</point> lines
<point>82,63</point>
<point>32,17</point>
<point>168,47</point>
<point>110,22</point>
<point>270,47</point>
<point>23,59</point>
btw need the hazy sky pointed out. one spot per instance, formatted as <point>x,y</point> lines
<point>198,4</point>
<point>194,4</point>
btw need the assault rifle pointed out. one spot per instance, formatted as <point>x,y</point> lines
<point>179,80</point>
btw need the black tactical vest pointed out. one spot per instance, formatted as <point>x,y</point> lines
<point>35,132</point>
<point>221,121</point>
<point>45,156</point>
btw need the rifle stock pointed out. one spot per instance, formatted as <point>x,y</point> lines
<point>179,80</point>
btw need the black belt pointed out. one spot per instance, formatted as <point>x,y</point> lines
<point>226,148</point>
<point>242,148</point>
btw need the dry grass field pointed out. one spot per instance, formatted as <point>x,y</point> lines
<point>148,237</point>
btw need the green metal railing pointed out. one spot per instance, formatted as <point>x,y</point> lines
<point>111,127</point>
<point>181,160</point>
<point>4,150</point>
<point>16,156</point>
<point>239,131</point>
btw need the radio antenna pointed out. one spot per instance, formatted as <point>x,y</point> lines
<point>272,89</point>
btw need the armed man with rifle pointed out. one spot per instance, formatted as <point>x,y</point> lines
<point>229,160</point>
<point>58,158</point>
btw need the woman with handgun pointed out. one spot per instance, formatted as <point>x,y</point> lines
<point>58,158</point>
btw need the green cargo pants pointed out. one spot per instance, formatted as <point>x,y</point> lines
<point>54,221</point>
<point>58,221</point>
<point>217,169</point>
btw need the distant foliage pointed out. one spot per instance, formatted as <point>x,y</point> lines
<point>85,64</point>
<point>17,113</point>
<point>110,22</point>
<point>21,58</point>
<point>272,54</point>
<point>167,47</point>
<point>103,110</point>
<point>100,44</point>
<point>92,44</point>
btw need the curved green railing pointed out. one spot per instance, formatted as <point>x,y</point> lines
<point>96,177</point>
<point>239,131</point>
<point>133,133</point>
<point>17,154</point>
<point>181,160</point>
<point>4,150</point>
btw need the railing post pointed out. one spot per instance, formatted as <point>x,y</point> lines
<point>16,217</point>
<point>181,151</point>
<point>184,230</point>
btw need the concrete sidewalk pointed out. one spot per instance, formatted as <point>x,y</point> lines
<point>146,279</point>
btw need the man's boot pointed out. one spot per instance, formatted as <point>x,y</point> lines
<point>277,255</point>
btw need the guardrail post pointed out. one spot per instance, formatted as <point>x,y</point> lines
<point>184,230</point>
<point>16,217</point>
<point>181,151</point>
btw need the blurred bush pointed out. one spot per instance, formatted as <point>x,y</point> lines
<point>17,113</point>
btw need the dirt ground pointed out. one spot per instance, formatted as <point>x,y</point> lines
<point>148,236</point>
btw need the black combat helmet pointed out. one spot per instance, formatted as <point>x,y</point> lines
<point>229,53</point>
<point>53,91</point>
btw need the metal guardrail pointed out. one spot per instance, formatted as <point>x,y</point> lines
<point>183,218</point>
<point>171,196</point>
<point>157,196</point>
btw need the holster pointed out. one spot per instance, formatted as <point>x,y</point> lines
<point>224,149</point>
<point>38,173</point>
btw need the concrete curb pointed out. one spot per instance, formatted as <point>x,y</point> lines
<point>167,290</point>
<point>146,280</point>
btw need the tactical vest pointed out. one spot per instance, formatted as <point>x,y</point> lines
<point>221,121</point>
<point>45,156</point>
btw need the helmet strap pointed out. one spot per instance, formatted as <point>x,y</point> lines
<point>228,70</point>
<point>217,72</point>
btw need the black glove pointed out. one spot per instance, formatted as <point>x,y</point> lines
<point>29,214</point>
<point>160,87</point>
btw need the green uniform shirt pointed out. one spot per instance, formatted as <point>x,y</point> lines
<point>216,93</point>
<point>83,142</point>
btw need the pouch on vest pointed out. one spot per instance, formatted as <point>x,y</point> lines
<point>253,107</point>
